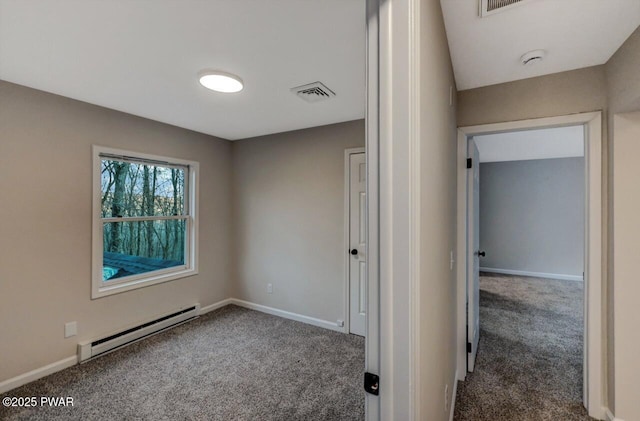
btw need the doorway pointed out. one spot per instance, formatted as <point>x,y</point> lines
<point>468,299</point>
<point>527,251</point>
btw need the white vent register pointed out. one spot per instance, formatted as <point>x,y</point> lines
<point>489,7</point>
<point>313,92</point>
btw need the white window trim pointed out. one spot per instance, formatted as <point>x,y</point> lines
<point>101,289</point>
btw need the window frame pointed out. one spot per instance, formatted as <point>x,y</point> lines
<point>99,288</point>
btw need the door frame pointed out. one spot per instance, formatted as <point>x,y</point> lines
<point>347,227</point>
<point>374,117</point>
<point>593,364</point>
<point>394,111</point>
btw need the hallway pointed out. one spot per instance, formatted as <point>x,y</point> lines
<point>529,362</point>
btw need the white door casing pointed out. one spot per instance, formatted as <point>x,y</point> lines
<point>473,244</point>
<point>357,243</point>
<point>594,350</point>
<point>372,124</point>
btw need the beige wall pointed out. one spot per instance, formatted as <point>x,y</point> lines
<point>623,89</point>
<point>623,76</point>
<point>626,211</point>
<point>45,234</point>
<point>545,96</point>
<point>437,290</point>
<point>288,201</point>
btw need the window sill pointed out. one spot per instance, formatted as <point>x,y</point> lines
<point>106,290</point>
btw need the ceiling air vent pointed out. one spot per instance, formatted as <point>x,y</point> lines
<point>313,92</point>
<point>489,7</point>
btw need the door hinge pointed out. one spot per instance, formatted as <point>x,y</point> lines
<point>371,383</point>
<point>469,348</point>
<point>469,163</point>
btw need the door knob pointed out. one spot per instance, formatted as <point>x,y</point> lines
<point>354,252</point>
<point>481,253</point>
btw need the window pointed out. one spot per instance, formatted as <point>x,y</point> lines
<point>144,220</point>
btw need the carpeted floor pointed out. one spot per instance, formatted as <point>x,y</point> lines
<point>230,364</point>
<point>529,361</point>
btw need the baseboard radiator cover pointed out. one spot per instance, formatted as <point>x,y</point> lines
<point>92,349</point>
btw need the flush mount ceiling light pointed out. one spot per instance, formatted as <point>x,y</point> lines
<point>532,57</point>
<point>220,81</point>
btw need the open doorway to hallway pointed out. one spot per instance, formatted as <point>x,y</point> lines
<point>527,246</point>
<point>528,220</point>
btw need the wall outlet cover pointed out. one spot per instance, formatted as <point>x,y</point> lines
<point>70,329</point>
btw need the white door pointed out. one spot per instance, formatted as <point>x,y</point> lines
<point>473,255</point>
<point>357,244</point>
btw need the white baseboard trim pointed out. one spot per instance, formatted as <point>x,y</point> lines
<point>273,311</point>
<point>609,415</point>
<point>533,274</point>
<point>288,315</point>
<point>215,306</point>
<point>38,373</point>
<point>454,392</point>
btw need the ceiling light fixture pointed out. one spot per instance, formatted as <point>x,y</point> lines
<point>220,81</point>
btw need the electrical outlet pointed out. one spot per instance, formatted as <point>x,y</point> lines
<point>446,398</point>
<point>269,288</point>
<point>340,323</point>
<point>451,261</point>
<point>70,329</point>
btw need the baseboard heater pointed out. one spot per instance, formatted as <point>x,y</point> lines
<point>92,349</point>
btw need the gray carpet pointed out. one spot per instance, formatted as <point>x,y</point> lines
<point>230,364</point>
<point>529,361</point>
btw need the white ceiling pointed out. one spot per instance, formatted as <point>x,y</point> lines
<point>561,142</point>
<point>142,57</point>
<point>575,34</point>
